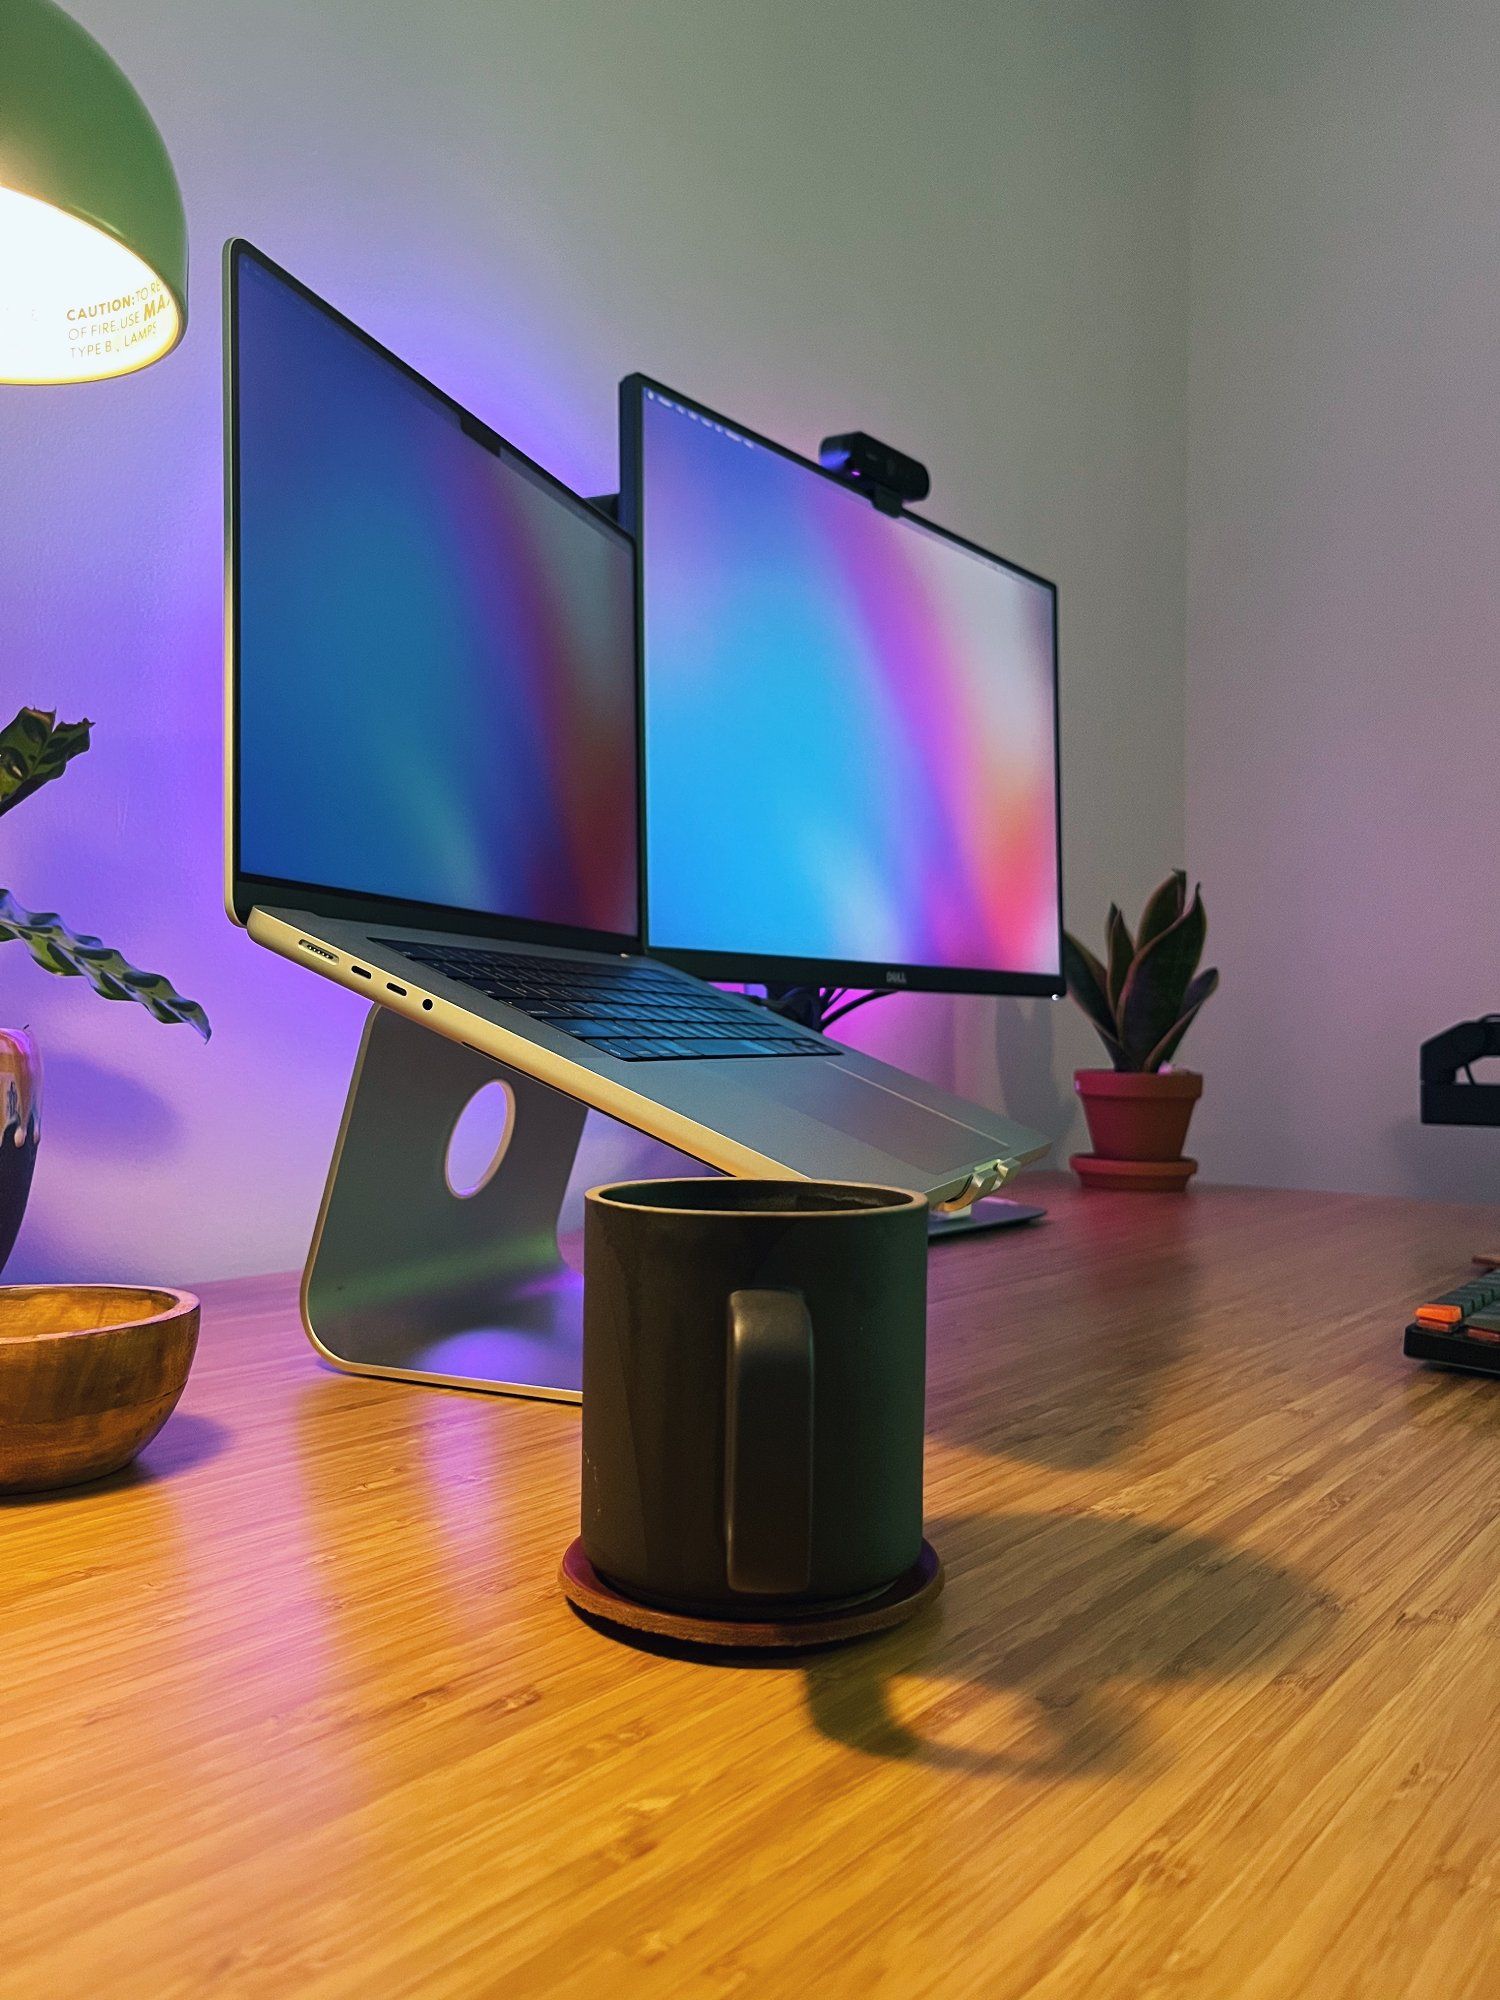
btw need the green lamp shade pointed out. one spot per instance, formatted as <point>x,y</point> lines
<point>93,241</point>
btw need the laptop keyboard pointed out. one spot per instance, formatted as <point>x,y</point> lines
<point>631,1010</point>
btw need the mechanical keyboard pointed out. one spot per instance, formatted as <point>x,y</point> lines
<point>1460,1328</point>
<point>628,1009</point>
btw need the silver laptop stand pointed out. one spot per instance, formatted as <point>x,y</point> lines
<point>409,1279</point>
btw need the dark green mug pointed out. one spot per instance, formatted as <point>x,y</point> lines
<point>754,1369</point>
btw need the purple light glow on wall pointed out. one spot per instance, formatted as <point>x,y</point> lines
<point>161,1156</point>
<point>489,200</point>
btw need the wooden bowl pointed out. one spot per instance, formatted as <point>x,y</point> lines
<point>88,1376</point>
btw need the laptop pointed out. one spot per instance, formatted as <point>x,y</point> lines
<point>434,769</point>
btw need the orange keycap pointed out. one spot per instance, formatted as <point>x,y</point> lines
<point>1440,1315</point>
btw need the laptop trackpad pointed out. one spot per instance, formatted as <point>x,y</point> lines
<point>884,1119</point>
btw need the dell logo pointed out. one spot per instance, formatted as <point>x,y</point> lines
<point>895,979</point>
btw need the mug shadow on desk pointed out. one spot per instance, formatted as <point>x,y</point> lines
<point>1071,1615</point>
<point>1066,1367</point>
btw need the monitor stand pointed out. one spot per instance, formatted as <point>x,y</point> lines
<point>994,1212</point>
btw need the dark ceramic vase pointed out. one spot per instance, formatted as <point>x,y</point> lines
<point>20,1128</point>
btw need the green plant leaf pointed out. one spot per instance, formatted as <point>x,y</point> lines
<point>57,949</point>
<point>35,748</point>
<point>1121,955</point>
<point>1164,906</point>
<point>1086,984</point>
<point>1205,984</point>
<point>1084,976</point>
<point>1154,994</point>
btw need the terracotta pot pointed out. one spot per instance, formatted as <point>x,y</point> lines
<point>1138,1117</point>
<point>20,1128</point>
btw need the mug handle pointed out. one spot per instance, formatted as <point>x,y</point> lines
<point>768,1444</point>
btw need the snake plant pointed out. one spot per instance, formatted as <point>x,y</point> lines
<point>1144,995</point>
<point>34,749</point>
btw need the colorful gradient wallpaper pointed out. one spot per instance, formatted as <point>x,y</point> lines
<point>850,728</point>
<point>437,648</point>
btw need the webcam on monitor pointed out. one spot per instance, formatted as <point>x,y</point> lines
<point>891,479</point>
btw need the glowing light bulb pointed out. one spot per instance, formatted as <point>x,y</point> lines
<point>75,304</point>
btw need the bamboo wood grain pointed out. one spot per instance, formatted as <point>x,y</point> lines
<point>1207,1710</point>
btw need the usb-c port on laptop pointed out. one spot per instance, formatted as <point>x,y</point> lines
<point>360,970</point>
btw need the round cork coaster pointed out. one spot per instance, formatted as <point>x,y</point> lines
<point>588,1592</point>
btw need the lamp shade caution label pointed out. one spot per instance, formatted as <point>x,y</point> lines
<point>103,327</point>
<point>76,304</point>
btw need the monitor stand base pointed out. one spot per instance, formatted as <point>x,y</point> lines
<point>994,1212</point>
<point>405,1277</point>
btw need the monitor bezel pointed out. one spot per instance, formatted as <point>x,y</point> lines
<point>761,968</point>
<point>242,890</point>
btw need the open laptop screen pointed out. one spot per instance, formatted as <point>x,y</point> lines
<point>434,641</point>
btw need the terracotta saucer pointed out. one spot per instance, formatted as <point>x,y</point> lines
<point>587,1591</point>
<point>1145,1176</point>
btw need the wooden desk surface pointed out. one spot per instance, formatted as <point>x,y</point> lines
<point>1209,1708</point>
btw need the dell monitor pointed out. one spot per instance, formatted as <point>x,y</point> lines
<point>850,725</point>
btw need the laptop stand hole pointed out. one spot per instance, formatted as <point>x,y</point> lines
<point>479,1139</point>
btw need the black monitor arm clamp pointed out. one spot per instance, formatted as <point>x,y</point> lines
<point>1446,1101</point>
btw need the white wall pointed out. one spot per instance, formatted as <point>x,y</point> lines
<point>1344,576</point>
<point>963,225</point>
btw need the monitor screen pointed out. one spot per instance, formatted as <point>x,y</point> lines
<point>850,724</point>
<point>434,642</point>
